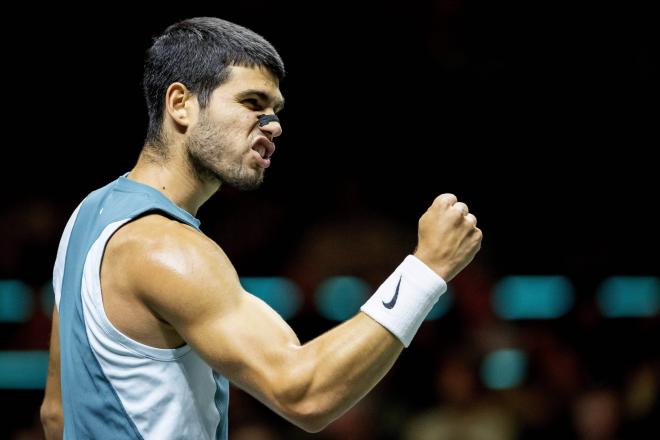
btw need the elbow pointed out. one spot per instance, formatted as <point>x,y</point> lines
<point>307,413</point>
<point>310,420</point>
<point>312,423</point>
<point>312,428</point>
<point>52,420</point>
<point>304,397</point>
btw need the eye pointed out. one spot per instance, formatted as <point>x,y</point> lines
<point>252,103</point>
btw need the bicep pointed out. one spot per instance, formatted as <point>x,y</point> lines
<point>237,334</point>
<point>247,342</point>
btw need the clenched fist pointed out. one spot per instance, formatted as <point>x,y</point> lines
<point>448,237</point>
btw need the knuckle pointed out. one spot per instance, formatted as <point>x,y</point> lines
<point>445,199</point>
<point>460,207</point>
<point>455,215</point>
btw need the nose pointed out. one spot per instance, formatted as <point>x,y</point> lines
<point>273,129</point>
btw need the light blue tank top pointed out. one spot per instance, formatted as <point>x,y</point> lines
<point>114,387</point>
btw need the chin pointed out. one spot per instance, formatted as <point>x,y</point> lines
<point>246,186</point>
<point>243,183</point>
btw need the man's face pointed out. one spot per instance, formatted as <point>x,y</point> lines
<point>227,142</point>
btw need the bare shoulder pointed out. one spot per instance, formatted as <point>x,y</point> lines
<point>170,265</point>
<point>155,231</point>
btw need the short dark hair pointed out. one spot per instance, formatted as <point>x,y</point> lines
<point>197,52</point>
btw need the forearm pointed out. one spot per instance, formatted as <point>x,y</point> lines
<point>335,370</point>
<point>342,365</point>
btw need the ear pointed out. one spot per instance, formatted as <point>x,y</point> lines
<point>180,105</point>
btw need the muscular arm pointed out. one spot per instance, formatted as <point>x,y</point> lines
<point>187,280</point>
<point>51,408</point>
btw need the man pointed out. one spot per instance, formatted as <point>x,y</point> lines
<point>151,320</point>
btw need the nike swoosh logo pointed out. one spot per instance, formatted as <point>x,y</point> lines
<point>390,304</point>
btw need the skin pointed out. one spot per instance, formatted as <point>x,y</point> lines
<point>151,261</point>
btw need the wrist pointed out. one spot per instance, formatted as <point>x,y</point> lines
<point>441,270</point>
<point>402,302</point>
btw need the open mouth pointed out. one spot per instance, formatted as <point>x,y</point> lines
<point>264,147</point>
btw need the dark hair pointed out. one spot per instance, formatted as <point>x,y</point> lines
<point>197,52</point>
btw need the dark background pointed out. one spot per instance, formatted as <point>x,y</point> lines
<point>543,118</point>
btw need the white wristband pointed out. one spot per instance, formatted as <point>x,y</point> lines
<point>402,302</point>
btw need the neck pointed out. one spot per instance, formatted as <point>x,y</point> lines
<point>174,178</point>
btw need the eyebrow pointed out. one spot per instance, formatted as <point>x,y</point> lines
<point>278,104</point>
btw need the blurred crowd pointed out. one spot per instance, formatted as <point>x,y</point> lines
<point>585,376</point>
